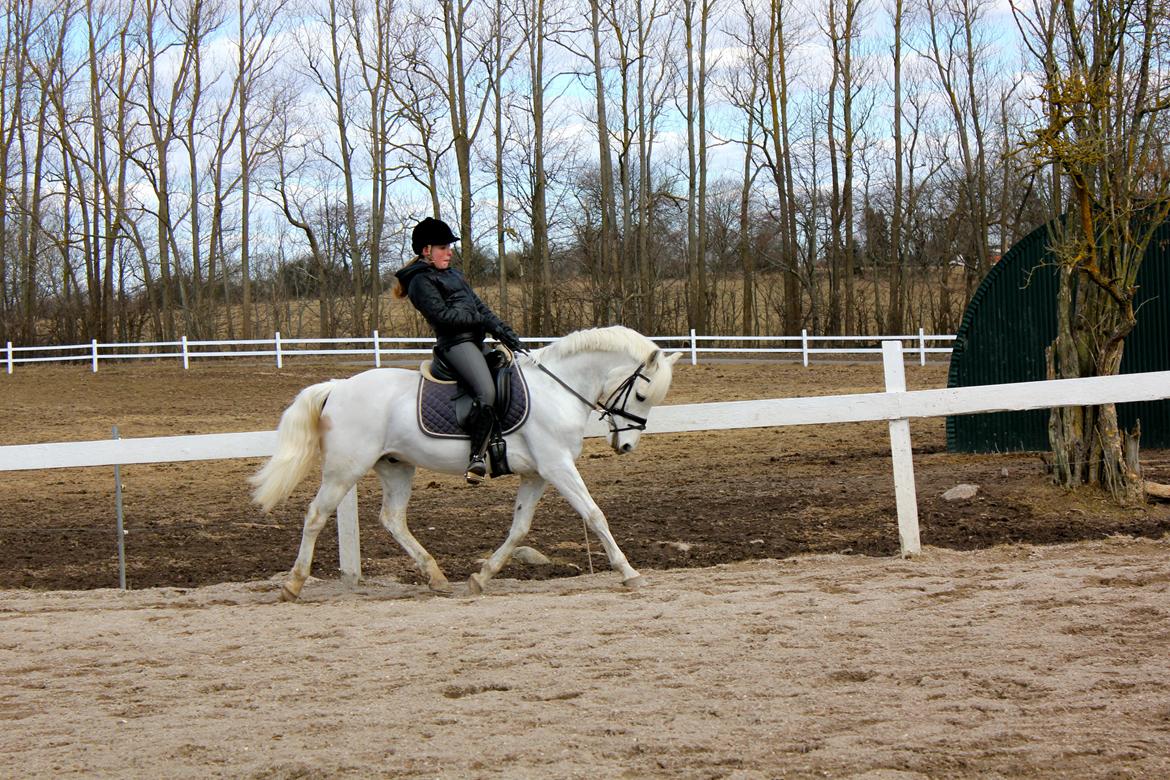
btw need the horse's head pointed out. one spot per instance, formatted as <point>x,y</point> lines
<point>639,380</point>
<point>629,395</point>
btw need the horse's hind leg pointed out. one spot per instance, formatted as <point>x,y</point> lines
<point>527,495</point>
<point>396,479</point>
<point>329,495</point>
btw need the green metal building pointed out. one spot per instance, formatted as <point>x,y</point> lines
<point>1011,320</point>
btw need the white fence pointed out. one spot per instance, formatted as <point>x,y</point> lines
<point>895,406</point>
<point>376,347</point>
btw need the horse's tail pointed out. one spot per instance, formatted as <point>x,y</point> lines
<point>298,440</point>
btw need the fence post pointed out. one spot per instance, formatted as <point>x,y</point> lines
<point>905,495</point>
<point>377,352</point>
<point>186,355</point>
<point>279,357</point>
<point>694,349</point>
<point>922,346</point>
<point>804,346</point>
<point>349,548</point>
<point>94,350</point>
<point>121,525</point>
<point>10,357</point>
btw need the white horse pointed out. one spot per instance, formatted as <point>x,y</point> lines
<point>369,421</point>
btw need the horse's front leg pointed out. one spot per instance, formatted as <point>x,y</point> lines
<point>396,479</point>
<point>566,479</point>
<point>527,495</point>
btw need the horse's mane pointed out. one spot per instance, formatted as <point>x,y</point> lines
<point>615,338</point>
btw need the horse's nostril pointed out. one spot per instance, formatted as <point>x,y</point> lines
<point>627,448</point>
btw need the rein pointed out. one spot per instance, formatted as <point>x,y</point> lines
<point>609,409</point>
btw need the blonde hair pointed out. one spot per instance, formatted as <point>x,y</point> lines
<point>399,290</point>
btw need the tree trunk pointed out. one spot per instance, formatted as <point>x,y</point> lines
<point>776,73</point>
<point>1088,445</point>
<point>243,95</point>
<point>848,146</point>
<point>895,312</point>
<point>610,256</point>
<point>747,258</point>
<point>542,305</point>
<point>498,89</point>
<point>341,123</point>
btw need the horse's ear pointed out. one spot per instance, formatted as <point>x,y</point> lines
<point>656,356</point>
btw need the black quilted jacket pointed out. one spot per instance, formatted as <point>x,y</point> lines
<point>451,307</point>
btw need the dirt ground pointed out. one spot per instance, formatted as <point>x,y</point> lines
<point>779,635</point>
<point>681,500</point>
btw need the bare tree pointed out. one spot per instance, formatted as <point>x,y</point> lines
<point>600,242</point>
<point>137,154</point>
<point>810,213</point>
<point>466,78</point>
<point>653,43</point>
<point>256,60</point>
<point>959,51</point>
<point>32,190</point>
<point>774,47</point>
<point>610,257</point>
<point>95,157</point>
<point>697,25</point>
<point>334,76</point>
<point>1105,88</point>
<point>168,25</point>
<point>540,319</point>
<point>419,98</point>
<point>743,92</point>
<point>505,46</point>
<point>842,27</point>
<point>202,20</point>
<point>294,170</point>
<point>22,125</point>
<point>1023,196</point>
<point>896,311</point>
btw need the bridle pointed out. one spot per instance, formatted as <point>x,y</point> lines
<point>611,408</point>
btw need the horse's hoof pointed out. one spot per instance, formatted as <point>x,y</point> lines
<point>286,593</point>
<point>441,587</point>
<point>633,583</point>
<point>475,585</point>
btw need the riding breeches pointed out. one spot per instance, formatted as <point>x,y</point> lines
<point>467,359</point>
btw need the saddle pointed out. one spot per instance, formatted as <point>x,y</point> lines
<point>444,404</point>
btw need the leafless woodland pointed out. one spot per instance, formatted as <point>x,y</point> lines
<point>211,168</point>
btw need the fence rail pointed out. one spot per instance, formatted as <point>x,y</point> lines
<point>895,406</point>
<point>376,347</point>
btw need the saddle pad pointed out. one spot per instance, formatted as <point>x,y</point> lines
<point>436,407</point>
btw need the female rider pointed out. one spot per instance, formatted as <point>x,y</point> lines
<point>460,320</point>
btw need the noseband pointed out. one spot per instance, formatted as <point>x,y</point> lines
<point>611,409</point>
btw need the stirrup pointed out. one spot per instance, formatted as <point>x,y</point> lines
<point>476,471</point>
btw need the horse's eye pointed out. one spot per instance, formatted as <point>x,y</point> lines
<point>641,398</point>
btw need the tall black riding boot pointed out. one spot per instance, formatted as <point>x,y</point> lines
<point>481,423</point>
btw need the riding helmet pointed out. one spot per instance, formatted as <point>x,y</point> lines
<point>431,232</point>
